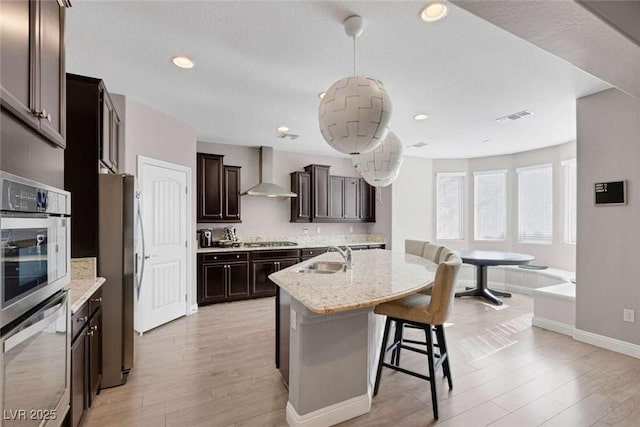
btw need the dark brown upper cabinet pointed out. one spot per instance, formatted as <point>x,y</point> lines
<point>218,190</point>
<point>326,198</point>
<point>301,205</point>
<point>320,200</point>
<point>32,66</point>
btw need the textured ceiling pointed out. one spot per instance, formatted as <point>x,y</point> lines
<point>260,65</point>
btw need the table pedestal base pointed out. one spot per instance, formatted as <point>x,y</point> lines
<point>481,290</point>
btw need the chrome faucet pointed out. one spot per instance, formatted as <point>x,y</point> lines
<point>346,254</point>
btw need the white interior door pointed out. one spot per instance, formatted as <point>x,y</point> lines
<point>163,208</point>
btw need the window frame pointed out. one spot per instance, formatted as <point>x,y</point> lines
<point>565,201</point>
<point>505,222</point>
<point>462,218</point>
<point>519,174</point>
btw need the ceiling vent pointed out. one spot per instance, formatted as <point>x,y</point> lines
<point>514,116</point>
<point>290,136</point>
<point>418,145</point>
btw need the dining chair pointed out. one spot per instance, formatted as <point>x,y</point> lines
<point>432,252</point>
<point>429,314</point>
<point>414,247</point>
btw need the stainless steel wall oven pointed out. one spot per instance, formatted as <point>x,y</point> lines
<point>34,307</point>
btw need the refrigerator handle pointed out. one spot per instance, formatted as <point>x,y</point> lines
<point>139,284</point>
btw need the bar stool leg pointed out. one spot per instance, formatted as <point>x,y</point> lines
<point>395,357</point>
<point>383,349</point>
<point>443,351</point>
<point>432,374</point>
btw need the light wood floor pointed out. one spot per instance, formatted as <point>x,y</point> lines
<point>216,368</point>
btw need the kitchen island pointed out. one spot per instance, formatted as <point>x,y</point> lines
<point>334,335</point>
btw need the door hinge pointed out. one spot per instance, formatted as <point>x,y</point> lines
<point>186,297</point>
<point>186,244</point>
<point>186,190</point>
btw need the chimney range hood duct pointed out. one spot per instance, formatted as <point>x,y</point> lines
<point>267,188</point>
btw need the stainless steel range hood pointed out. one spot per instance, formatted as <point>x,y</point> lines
<point>267,188</point>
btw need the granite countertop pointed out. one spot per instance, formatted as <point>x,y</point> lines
<point>376,276</point>
<point>298,246</point>
<point>82,289</point>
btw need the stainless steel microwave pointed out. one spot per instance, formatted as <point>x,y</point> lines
<point>34,248</point>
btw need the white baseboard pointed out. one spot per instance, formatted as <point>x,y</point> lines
<point>553,325</point>
<point>608,343</point>
<point>193,310</point>
<point>330,415</point>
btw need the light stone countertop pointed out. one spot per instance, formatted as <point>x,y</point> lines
<point>82,289</point>
<point>276,248</point>
<point>376,276</point>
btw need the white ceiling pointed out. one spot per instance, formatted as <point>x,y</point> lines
<point>261,64</point>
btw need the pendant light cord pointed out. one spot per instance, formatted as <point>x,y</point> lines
<point>354,56</point>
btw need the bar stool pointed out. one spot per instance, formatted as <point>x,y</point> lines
<point>427,313</point>
<point>414,247</point>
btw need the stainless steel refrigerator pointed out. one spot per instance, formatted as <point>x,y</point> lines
<point>117,208</point>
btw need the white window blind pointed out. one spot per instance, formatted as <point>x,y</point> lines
<point>535,204</point>
<point>449,206</point>
<point>570,189</point>
<point>490,205</point>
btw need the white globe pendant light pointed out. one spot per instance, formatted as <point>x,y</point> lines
<point>381,166</point>
<point>354,113</point>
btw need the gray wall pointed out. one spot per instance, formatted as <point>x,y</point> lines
<point>608,271</point>
<point>263,216</point>
<point>150,133</point>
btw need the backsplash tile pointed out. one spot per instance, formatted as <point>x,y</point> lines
<point>83,268</point>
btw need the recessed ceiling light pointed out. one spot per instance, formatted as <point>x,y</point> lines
<point>322,94</point>
<point>420,117</point>
<point>283,129</point>
<point>182,62</point>
<point>434,11</point>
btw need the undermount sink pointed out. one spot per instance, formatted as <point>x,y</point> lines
<point>323,267</point>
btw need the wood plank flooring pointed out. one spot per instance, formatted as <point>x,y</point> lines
<point>216,368</point>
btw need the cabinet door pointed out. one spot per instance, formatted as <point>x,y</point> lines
<point>95,356</point>
<point>260,283</point>
<point>232,193</point>
<point>212,279</point>
<point>78,378</point>
<point>320,191</point>
<point>105,141</point>
<point>367,202</point>
<point>337,197</point>
<point>238,280</point>
<point>17,59</point>
<point>209,187</point>
<point>52,71</point>
<point>114,145</point>
<point>301,205</point>
<point>351,198</point>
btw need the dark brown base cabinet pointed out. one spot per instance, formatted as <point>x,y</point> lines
<point>223,277</point>
<point>86,357</point>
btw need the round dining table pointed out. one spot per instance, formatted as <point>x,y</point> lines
<point>484,259</point>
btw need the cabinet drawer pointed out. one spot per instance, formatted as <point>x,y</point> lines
<point>277,254</point>
<point>79,320</point>
<point>225,256</point>
<point>95,301</point>
<point>311,252</point>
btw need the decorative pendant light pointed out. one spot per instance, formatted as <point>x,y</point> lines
<point>355,111</point>
<point>381,166</point>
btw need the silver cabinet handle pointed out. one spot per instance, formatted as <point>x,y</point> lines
<point>42,114</point>
<point>150,256</point>
<point>90,333</point>
<point>82,319</point>
<point>94,328</point>
<point>96,299</point>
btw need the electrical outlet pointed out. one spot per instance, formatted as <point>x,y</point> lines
<point>318,230</point>
<point>629,315</point>
<point>294,319</point>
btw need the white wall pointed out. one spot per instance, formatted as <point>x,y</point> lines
<point>556,254</point>
<point>412,194</point>
<point>608,273</point>
<point>150,133</point>
<point>263,216</point>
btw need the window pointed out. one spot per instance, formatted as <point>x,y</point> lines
<point>449,206</point>
<point>570,188</point>
<point>490,205</point>
<point>535,204</point>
